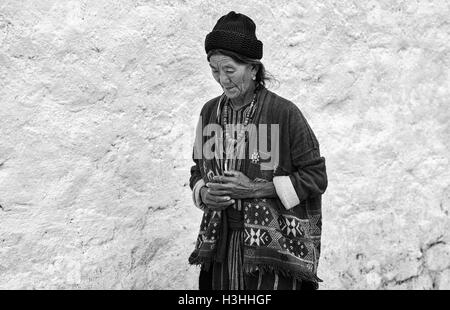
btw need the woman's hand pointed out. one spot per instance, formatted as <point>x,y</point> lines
<point>215,202</point>
<point>233,184</point>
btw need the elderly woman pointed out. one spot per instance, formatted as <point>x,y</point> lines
<point>262,220</point>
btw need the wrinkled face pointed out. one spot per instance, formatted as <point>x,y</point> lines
<point>235,78</point>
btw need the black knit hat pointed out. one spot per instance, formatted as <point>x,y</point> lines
<point>235,32</point>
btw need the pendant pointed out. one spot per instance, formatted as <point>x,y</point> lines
<point>255,157</point>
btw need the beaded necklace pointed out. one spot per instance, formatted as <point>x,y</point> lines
<point>230,141</point>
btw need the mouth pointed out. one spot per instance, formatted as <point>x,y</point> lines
<point>228,88</point>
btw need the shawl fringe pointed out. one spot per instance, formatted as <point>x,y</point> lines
<point>300,274</point>
<point>278,268</point>
<point>204,261</point>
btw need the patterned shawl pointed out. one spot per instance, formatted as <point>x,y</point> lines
<point>276,239</point>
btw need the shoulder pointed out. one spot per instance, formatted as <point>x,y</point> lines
<point>209,106</point>
<point>282,106</point>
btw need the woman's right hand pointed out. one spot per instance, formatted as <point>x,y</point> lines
<point>214,202</point>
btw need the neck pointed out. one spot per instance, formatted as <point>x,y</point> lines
<point>244,99</point>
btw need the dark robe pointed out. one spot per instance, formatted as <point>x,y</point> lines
<point>280,248</point>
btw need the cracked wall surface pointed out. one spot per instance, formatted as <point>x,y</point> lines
<point>98,104</point>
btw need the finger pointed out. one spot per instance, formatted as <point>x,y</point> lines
<point>225,203</point>
<point>217,178</point>
<point>217,186</point>
<point>223,179</point>
<point>215,199</point>
<point>219,192</point>
<point>220,199</point>
<point>231,172</point>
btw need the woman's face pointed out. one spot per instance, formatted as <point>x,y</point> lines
<point>235,78</point>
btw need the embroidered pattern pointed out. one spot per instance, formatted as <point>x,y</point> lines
<point>209,231</point>
<point>287,234</point>
<point>258,237</point>
<point>292,227</point>
<point>257,215</point>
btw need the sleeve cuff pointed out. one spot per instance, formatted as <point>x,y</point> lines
<point>286,191</point>
<point>196,194</point>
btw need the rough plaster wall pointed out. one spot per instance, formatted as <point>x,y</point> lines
<point>99,100</point>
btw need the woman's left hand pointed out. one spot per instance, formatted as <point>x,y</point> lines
<point>234,184</point>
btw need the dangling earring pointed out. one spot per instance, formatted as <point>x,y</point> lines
<point>254,78</point>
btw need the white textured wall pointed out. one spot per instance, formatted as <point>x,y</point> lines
<point>98,103</point>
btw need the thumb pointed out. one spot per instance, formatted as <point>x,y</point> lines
<point>231,172</point>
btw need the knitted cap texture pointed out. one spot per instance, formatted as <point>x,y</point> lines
<point>235,32</point>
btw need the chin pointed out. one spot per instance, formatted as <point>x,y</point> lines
<point>231,94</point>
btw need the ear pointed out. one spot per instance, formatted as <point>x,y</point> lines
<point>254,69</point>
